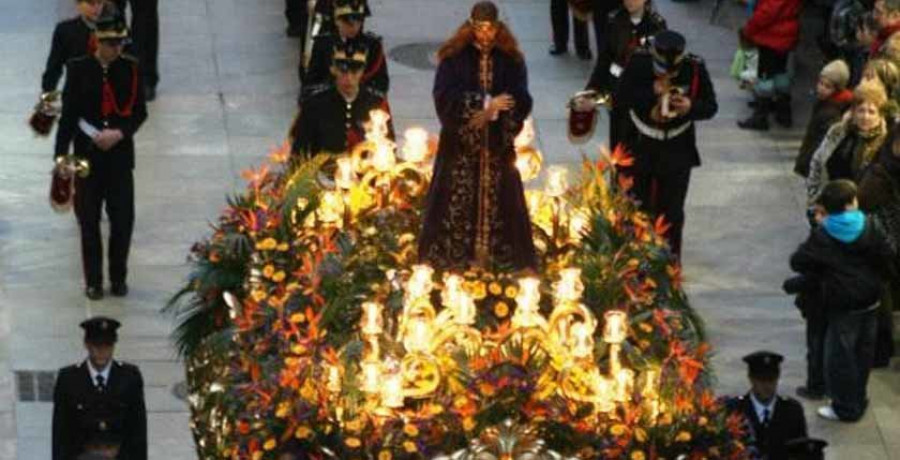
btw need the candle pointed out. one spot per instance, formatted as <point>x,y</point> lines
<point>383,159</point>
<point>344,176</point>
<point>557,181</point>
<point>603,392</point>
<point>615,330</point>
<point>569,288</point>
<point>465,310</point>
<point>371,375</point>
<point>526,135</point>
<point>417,338</point>
<point>582,340</point>
<point>415,148</point>
<point>624,384</point>
<point>372,322</point>
<point>334,378</point>
<point>420,282</point>
<point>527,303</point>
<point>392,391</point>
<point>378,125</point>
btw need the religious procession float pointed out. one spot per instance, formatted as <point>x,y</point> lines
<point>310,323</point>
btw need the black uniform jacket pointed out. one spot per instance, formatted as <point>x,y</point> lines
<point>83,100</point>
<point>77,406</point>
<point>623,37</point>
<point>319,70</point>
<point>787,423</point>
<point>671,153</point>
<point>328,123</point>
<point>70,40</point>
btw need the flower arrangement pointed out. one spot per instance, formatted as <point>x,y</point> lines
<point>278,326</point>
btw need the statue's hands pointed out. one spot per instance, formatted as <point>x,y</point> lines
<point>480,119</point>
<point>502,102</point>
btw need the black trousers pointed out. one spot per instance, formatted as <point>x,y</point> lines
<point>664,195</point>
<point>144,37</point>
<point>113,187</point>
<point>296,13</point>
<point>849,350</point>
<point>816,327</point>
<point>559,19</point>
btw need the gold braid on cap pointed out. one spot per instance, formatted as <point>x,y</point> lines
<point>662,58</point>
<point>111,34</point>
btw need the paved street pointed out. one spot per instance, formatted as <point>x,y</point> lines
<point>227,95</point>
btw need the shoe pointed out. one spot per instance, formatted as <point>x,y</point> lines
<point>759,121</point>
<point>827,412</point>
<point>804,393</point>
<point>93,293</point>
<point>293,31</point>
<point>585,55</point>
<point>558,50</point>
<point>149,93</point>
<point>119,290</point>
<point>783,114</point>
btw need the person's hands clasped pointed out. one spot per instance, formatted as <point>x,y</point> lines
<point>108,138</point>
<point>498,104</point>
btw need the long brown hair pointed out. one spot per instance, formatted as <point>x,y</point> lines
<point>465,35</point>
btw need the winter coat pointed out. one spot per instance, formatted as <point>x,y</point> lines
<point>775,24</point>
<point>825,113</point>
<point>851,274</point>
<point>834,159</point>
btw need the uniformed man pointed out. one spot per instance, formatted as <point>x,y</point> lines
<point>349,17</point>
<point>806,449</point>
<point>664,92</point>
<point>559,21</point>
<point>628,29</point>
<point>103,107</point>
<point>774,419</point>
<point>99,392</point>
<point>71,38</point>
<point>333,116</point>
<point>145,41</point>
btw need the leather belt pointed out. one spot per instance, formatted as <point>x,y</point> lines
<point>655,133</point>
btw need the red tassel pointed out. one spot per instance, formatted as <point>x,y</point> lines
<point>110,105</point>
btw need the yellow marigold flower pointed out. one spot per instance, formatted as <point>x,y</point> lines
<point>258,295</point>
<point>410,447</point>
<point>354,425</point>
<point>283,247</point>
<point>279,276</point>
<point>353,443</point>
<point>460,402</point>
<point>270,444</point>
<point>487,389</point>
<point>646,327</point>
<point>258,455</point>
<point>511,291</point>
<point>284,408</point>
<point>308,392</point>
<point>617,429</point>
<point>666,419</point>
<point>640,435</point>
<point>268,271</point>
<point>297,318</point>
<point>495,288</point>
<point>266,244</point>
<point>468,424</point>
<point>292,286</point>
<point>303,433</point>
<point>683,436</point>
<point>385,455</point>
<point>298,349</point>
<point>637,455</point>
<point>479,290</point>
<point>702,421</point>
<point>501,309</point>
<point>411,430</point>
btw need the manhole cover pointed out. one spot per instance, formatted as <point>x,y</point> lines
<point>416,55</point>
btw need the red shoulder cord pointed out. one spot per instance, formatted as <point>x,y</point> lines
<point>109,103</point>
<point>695,80</point>
<point>91,44</point>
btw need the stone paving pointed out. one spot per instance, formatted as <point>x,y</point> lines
<point>227,96</point>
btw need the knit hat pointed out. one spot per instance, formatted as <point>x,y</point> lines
<point>837,73</point>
